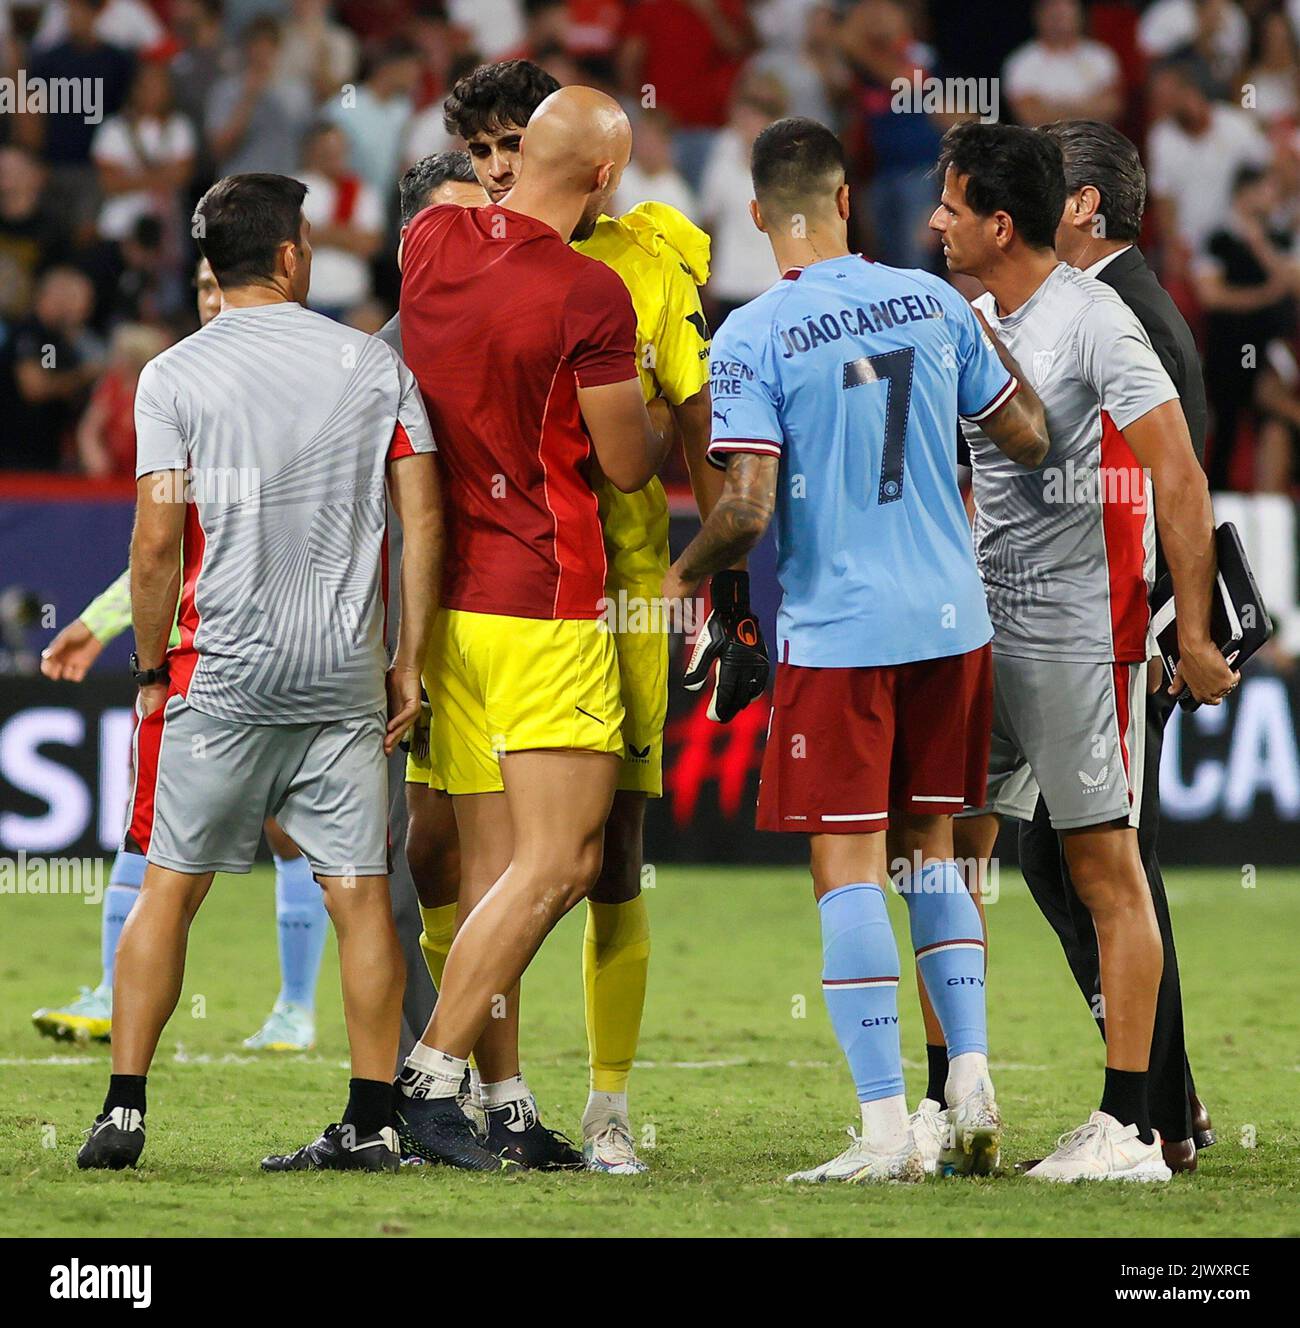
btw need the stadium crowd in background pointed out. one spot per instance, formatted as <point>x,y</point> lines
<point>95,250</point>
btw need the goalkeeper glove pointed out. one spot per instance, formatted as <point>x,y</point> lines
<point>732,640</point>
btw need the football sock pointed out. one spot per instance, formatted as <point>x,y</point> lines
<point>303,925</point>
<point>503,1093</point>
<point>937,1058</point>
<point>949,944</point>
<point>370,1105</point>
<point>601,1106</point>
<point>860,983</point>
<point>435,938</point>
<point>1125,1098</point>
<point>125,1090</point>
<point>475,1084</point>
<point>124,883</point>
<point>615,963</point>
<point>430,1073</point>
<point>885,1123</point>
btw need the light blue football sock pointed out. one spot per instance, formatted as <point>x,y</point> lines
<point>119,899</point>
<point>860,983</point>
<point>303,925</point>
<point>949,943</point>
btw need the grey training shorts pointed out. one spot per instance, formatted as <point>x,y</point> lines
<point>203,787</point>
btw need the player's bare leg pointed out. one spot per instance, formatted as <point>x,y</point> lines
<point>371,968</point>
<point>1117,1141</point>
<point>558,803</point>
<point>146,986</point>
<point>616,955</point>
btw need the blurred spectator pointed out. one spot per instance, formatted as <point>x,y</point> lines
<point>196,67</point>
<point>546,28</point>
<point>495,27</point>
<point>347,223</point>
<point>130,24</point>
<point>742,257</point>
<point>1194,152</point>
<point>1061,74</point>
<point>63,140</point>
<point>32,236</point>
<point>316,50</point>
<point>47,367</point>
<point>145,157</point>
<point>1246,283</point>
<point>255,119</point>
<point>1216,30</point>
<point>682,57</point>
<point>141,279</point>
<point>106,433</point>
<point>1271,77</point>
<point>895,148</point>
<point>374,116</point>
<point>650,175</point>
<point>800,48</point>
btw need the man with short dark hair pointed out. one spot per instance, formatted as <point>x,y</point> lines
<point>1063,554</point>
<point>834,395</point>
<point>1105,197</point>
<point>265,442</point>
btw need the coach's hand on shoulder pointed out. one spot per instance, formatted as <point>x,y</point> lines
<point>403,704</point>
<point>1204,672</point>
<point>730,649</point>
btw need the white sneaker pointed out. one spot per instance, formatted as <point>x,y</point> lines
<point>288,1027</point>
<point>929,1124</point>
<point>973,1143</point>
<point>860,1164</point>
<point>608,1147</point>
<point>1103,1149</point>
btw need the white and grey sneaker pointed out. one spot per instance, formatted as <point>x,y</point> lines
<point>607,1146</point>
<point>861,1164</point>
<point>929,1123</point>
<point>973,1146</point>
<point>1103,1149</point>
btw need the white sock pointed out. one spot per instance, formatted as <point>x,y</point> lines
<point>966,1073</point>
<point>601,1106</point>
<point>885,1123</point>
<point>514,1089</point>
<point>475,1087</point>
<point>430,1073</point>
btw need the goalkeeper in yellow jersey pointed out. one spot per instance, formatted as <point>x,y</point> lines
<point>663,260</point>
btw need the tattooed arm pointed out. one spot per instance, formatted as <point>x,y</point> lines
<point>733,527</point>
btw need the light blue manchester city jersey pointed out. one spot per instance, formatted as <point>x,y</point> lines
<point>854,374</point>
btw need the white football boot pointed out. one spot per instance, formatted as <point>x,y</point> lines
<point>1103,1149</point>
<point>607,1146</point>
<point>973,1143</point>
<point>929,1124</point>
<point>861,1164</point>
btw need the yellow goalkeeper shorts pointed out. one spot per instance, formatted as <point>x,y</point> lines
<point>500,684</point>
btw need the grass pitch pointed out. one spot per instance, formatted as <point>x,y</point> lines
<point>741,1083</point>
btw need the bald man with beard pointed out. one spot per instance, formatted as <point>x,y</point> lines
<point>525,353</point>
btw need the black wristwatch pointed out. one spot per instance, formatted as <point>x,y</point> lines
<point>147,677</point>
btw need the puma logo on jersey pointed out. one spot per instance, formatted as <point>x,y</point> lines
<point>1091,784</point>
<point>724,416</point>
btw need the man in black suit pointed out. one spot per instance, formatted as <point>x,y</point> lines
<point>1106,194</point>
